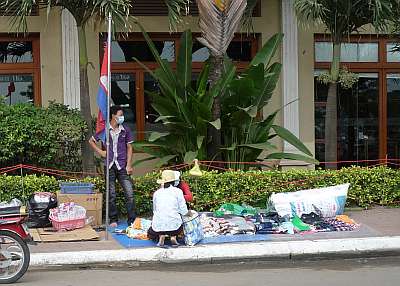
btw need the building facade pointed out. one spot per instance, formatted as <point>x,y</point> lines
<point>43,67</point>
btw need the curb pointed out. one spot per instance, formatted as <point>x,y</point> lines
<point>210,253</point>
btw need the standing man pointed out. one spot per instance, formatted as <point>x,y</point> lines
<point>120,163</point>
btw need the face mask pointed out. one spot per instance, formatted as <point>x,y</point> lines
<point>120,119</point>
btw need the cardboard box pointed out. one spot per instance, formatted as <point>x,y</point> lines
<point>93,203</point>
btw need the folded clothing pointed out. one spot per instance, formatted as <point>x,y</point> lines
<point>138,229</point>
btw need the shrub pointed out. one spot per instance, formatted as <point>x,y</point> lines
<point>49,137</point>
<point>369,186</point>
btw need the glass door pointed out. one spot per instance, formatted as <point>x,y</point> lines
<point>393,115</point>
<point>124,93</point>
<point>358,121</point>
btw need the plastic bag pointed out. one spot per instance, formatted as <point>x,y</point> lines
<point>67,212</point>
<point>39,206</point>
<point>235,209</point>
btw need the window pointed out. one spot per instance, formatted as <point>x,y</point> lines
<point>127,51</point>
<point>350,52</point>
<point>20,69</point>
<point>367,113</point>
<point>16,52</point>
<point>392,53</point>
<point>17,88</point>
<point>132,85</point>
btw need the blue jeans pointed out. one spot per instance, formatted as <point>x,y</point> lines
<point>125,180</point>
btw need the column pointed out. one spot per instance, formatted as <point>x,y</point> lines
<point>70,60</point>
<point>290,71</point>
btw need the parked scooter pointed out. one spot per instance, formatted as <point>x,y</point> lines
<point>14,251</point>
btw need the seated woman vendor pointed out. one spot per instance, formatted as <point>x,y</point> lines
<point>168,207</point>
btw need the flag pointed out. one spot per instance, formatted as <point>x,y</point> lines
<point>102,95</point>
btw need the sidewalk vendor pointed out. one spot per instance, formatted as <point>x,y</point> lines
<point>180,184</point>
<point>168,207</point>
<point>120,163</point>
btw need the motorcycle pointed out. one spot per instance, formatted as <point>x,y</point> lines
<point>14,250</point>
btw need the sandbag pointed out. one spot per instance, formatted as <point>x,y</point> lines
<point>326,202</point>
<point>39,206</point>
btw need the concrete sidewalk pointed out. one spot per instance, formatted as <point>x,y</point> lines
<point>379,234</point>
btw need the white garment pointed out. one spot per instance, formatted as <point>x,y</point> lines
<point>114,135</point>
<point>168,206</point>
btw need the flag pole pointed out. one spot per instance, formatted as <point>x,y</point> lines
<point>108,122</point>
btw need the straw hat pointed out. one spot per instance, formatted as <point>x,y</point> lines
<point>166,176</point>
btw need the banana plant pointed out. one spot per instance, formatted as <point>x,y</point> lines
<point>247,134</point>
<point>183,109</point>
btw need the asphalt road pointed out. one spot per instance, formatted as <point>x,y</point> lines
<point>365,272</point>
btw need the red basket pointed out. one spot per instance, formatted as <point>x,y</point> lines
<point>69,224</point>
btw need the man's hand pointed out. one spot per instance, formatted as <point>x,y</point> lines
<point>129,170</point>
<point>103,153</point>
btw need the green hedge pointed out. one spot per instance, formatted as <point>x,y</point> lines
<point>48,137</point>
<point>369,186</point>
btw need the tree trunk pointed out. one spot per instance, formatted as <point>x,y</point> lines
<point>214,135</point>
<point>331,127</point>
<point>87,152</point>
<point>331,112</point>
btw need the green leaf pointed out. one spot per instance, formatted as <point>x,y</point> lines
<point>162,118</point>
<point>138,162</point>
<point>291,156</point>
<point>184,64</point>
<point>201,85</point>
<point>290,138</point>
<point>260,146</point>
<point>164,65</point>
<point>251,110</point>
<point>222,84</point>
<point>164,160</point>
<point>157,135</point>
<point>216,124</point>
<point>200,140</point>
<point>231,148</point>
<point>190,156</point>
<point>265,55</point>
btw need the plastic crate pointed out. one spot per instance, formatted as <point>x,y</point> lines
<point>69,224</point>
<point>76,188</point>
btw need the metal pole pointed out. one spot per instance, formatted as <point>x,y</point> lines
<point>108,122</point>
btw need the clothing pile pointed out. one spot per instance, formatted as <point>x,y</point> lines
<point>272,223</point>
<point>213,226</point>
<point>139,228</point>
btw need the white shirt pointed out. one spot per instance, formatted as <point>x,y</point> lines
<point>114,135</point>
<point>168,206</point>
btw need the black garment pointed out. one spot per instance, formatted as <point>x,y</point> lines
<point>311,218</point>
<point>125,181</point>
<point>154,235</point>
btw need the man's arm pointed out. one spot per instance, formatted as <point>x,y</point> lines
<point>129,150</point>
<point>94,146</point>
